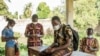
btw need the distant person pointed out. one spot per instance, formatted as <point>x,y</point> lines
<point>62,40</point>
<point>89,44</point>
<point>8,37</point>
<point>34,32</point>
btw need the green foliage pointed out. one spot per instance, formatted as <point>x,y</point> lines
<point>85,13</point>
<point>16,15</point>
<point>23,50</point>
<point>27,11</point>
<point>12,16</point>
<point>48,39</point>
<point>2,51</point>
<point>57,11</point>
<point>43,10</point>
<point>22,46</point>
<point>82,33</point>
<point>17,34</point>
<point>3,8</point>
<point>98,8</point>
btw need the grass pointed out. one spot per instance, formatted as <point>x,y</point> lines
<point>47,40</point>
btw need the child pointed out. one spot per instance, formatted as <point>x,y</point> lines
<point>89,44</point>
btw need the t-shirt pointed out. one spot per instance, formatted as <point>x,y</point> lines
<point>8,33</point>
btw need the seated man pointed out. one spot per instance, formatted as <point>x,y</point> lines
<point>89,44</point>
<point>62,40</point>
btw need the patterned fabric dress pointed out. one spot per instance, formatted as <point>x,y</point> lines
<point>32,29</point>
<point>88,43</point>
<point>60,40</point>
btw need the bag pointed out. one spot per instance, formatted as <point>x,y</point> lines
<point>75,37</point>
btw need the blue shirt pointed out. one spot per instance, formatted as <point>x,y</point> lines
<point>8,33</point>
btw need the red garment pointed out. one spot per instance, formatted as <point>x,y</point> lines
<point>88,43</point>
<point>34,29</point>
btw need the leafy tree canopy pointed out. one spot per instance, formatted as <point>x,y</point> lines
<point>43,10</point>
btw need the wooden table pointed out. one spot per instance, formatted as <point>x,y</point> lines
<point>38,49</point>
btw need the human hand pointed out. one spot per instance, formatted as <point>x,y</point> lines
<point>86,49</point>
<point>48,50</point>
<point>93,48</point>
<point>52,50</point>
<point>31,35</point>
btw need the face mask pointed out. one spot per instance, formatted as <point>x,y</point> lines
<point>11,27</point>
<point>56,27</point>
<point>90,36</point>
<point>35,22</point>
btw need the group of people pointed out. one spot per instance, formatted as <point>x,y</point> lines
<point>63,39</point>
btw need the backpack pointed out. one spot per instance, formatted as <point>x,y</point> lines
<point>75,37</point>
